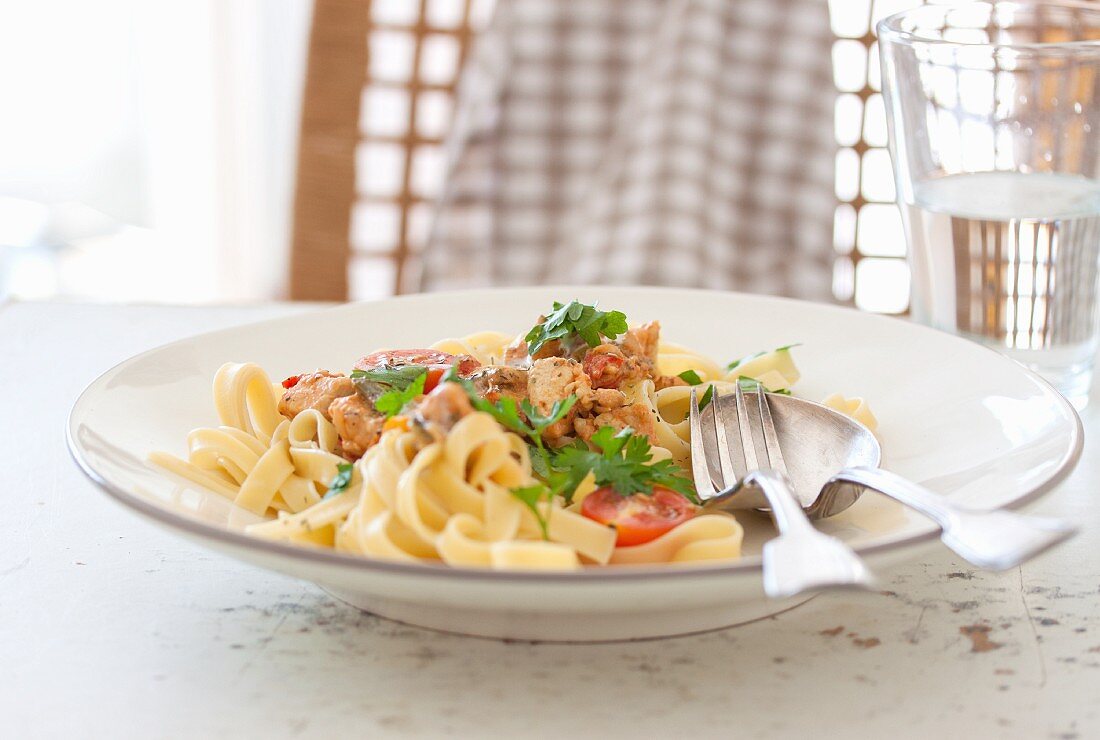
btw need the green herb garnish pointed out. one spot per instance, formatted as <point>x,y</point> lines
<point>531,496</point>
<point>691,377</point>
<point>576,319</point>
<point>753,356</point>
<point>391,402</point>
<point>622,461</point>
<point>540,464</point>
<point>341,481</point>
<point>507,413</point>
<point>388,384</point>
<point>750,385</point>
<point>543,462</point>
<point>398,377</point>
<point>708,394</point>
<point>746,358</point>
<point>538,423</point>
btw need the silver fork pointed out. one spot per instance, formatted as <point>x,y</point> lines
<point>995,540</point>
<point>800,558</point>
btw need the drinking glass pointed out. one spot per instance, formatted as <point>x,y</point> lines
<point>994,123</point>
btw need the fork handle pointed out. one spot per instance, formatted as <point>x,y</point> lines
<point>995,539</point>
<point>785,507</point>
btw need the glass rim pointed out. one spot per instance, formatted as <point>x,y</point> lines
<point>890,28</point>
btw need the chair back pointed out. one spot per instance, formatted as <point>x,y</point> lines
<point>378,100</point>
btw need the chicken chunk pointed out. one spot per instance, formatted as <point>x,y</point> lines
<point>441,409</point>
<point>357,423</point>
<point>551,380</point>
<point>515,354</point>
<point>668,381</point>
<point>419,357</point>
<point>315,390</point>
<point>496,382</point>
<point>606,399</point>
<point>641,342</point>
<point>638,416</point>
<point>607,367</point>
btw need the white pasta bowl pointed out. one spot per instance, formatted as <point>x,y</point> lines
<point>954,416</point>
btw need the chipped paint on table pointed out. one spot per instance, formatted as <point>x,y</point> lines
<point>111,627</point>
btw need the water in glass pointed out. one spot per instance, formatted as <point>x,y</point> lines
<point>1011,260</point>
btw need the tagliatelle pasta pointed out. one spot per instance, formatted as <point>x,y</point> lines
<point>487,347</point>
<point>856,408</point>
<point>461,487</point>
<point>449,501</point>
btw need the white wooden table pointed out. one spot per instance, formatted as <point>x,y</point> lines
<point>110,627</point>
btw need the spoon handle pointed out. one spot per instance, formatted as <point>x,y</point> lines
<point>995,540</point>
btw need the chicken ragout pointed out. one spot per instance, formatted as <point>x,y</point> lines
<point>597,376</point>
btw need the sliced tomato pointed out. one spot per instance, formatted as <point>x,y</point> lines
<point>429,358</point>
<point>639,517</point>
<point>604,370</point>
<point>435,374</point>
<point>291,381</point>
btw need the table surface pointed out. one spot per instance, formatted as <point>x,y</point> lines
<point>112,627</point>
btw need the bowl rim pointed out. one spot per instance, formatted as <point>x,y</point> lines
<point>185,525</point>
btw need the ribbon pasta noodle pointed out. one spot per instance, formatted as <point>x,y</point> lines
<point>487,347</point>
<point>449,497</point>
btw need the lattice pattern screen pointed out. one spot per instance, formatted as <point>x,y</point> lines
<point>870,268</point>
<point>415,48</point>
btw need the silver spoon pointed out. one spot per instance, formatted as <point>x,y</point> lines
<point>831,460</point>
<point>800,558</point>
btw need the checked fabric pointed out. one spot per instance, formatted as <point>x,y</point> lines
<point>671,142</point>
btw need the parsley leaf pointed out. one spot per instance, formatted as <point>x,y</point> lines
<point>531,496</point>
<point>754,355</point>
<point>507,414</point>
<point>691,377</point>
<point>376,382</point>
<point>622,459</point>
<point>708,394</point>
<point>576,319</point>
<point>610,441</point>
<point>622,462</point>
<point>398,376</point>
<point>540,464</point>
<point>504,411</point>
<point>539,423</point>
<point>744,359</point>
<point>340,483</point>
<point>391,402</point>
<point>750,385</point>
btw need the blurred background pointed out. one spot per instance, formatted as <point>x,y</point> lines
<point>153,151</point>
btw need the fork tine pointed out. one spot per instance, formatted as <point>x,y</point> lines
<point>771,438</point>
<point>700,471</point>
<point>725,460</point>
<point>800,558</point>
<point>743,425</point>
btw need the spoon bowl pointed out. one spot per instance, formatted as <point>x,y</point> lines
<point>817,441</point>
<point>834,459</point>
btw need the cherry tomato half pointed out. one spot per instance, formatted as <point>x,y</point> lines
<point>435,374</point>
<point>639,517</point>
<point>437,362</point>
<point>604,370</point>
